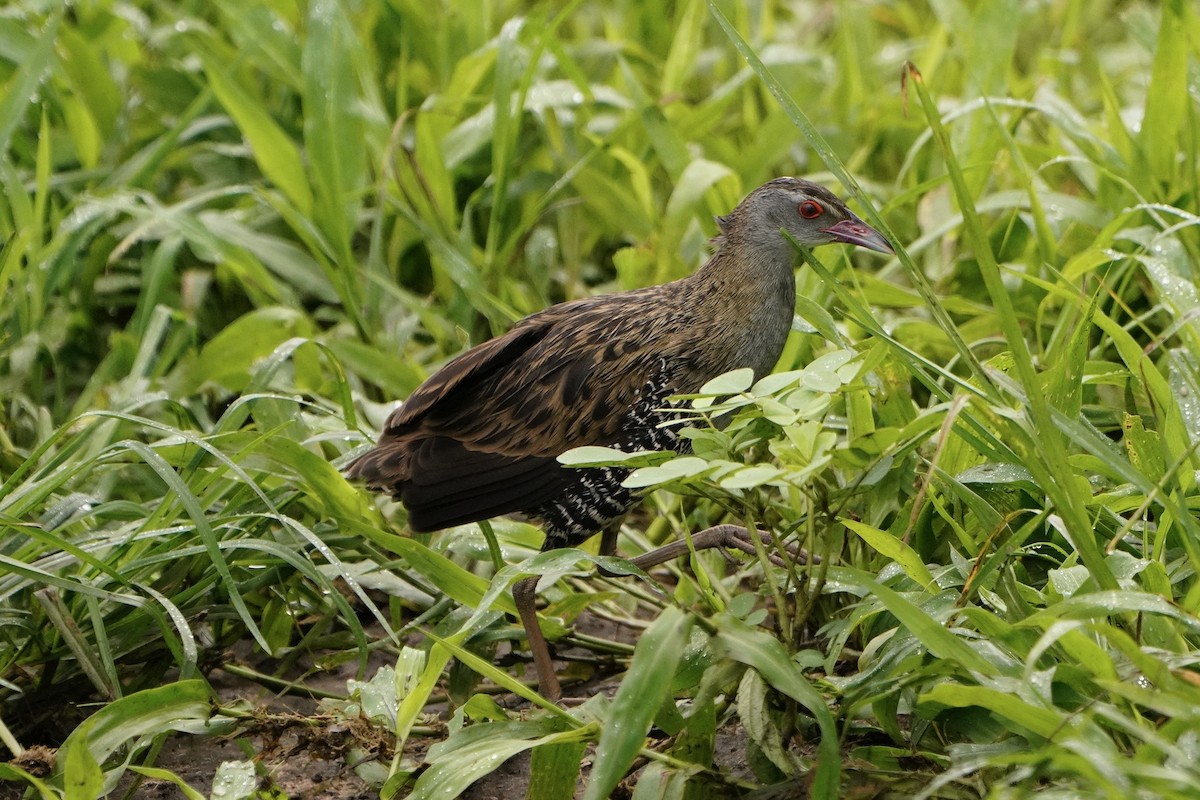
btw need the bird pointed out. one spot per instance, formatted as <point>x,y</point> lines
<point>480,438</point>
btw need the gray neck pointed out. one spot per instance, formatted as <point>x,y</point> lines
<point>751,298</point>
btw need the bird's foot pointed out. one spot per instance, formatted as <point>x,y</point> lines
<point>725,538</point>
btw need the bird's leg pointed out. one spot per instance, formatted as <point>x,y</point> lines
<point>525,596</point>
<point>608,539</point>
<point>724,537</point>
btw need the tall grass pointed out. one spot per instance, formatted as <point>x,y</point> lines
<point>233,237</point>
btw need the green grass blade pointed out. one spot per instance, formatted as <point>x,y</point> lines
<point>22,87</point>
<point>557,769</point>
<point>891,548</point>
<point>758,649</point>
<point>1041,722</point>
<point>276,154</point>
<point>642,691</point>
<point>182,493</point>
<point>149,711</point>
<point>940,641</point>
<point>1066,494</point>
<point>1167,95</point>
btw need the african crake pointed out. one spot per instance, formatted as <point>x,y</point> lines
<point>481,437</point>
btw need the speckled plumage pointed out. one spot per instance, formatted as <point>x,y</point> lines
<point>594,497</point>
<point>480,438</point>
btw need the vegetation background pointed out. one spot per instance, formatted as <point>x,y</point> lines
<point>234,234</point>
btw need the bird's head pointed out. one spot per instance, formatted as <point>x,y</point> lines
<point>810,213</point>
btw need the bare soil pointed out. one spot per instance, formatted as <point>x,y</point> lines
<point>298,752</point>
<point>303,754</point>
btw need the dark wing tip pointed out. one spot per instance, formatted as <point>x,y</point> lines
<point>383,467</point>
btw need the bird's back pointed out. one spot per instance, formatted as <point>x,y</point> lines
<point>481,436</point>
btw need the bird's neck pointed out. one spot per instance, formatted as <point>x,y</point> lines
<point>748,295</point>
<point>751,276</point>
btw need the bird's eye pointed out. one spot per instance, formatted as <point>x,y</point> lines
<point>811,209</point>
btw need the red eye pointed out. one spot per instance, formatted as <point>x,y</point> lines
<point>811,209</point>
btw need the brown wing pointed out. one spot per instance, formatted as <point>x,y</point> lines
<point>480,437</point>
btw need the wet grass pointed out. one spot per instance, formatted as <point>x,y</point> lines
<point>234,237</point>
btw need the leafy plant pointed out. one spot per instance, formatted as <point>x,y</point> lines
<point>233,236</point>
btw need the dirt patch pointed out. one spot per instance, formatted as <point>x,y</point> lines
<point>305,753</point>
<point>299,772</point>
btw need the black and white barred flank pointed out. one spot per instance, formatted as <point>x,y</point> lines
<point>596,497</point>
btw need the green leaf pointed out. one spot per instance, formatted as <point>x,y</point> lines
<point>14,774</point>
<point>457,583</point>
<point>700,178</point>
<point>1064,378</point>
<point>750,477</point>
<point>498,676</point>
<point>276,154</point>
<point>1041,440</point>
<point>82,777</point>
<point>417,677</point>
<point>816,315</point>
<point>554,770</point>
<point>940,641</point>
<point>176,706</point>
<point>755,716</point>
<point>1104,604</point>
<point>235,780</point>
<point>673,470</point>
<point>732,382</point>
<point>333,121</point>
<point>1144,448</point>
<point>436,181</point>
<point>659,782</point>
<point>697,741</point>
<point>469,754</point>
<point>1167,94</point>
<point>891,547</point>
<point>755,648</point>
<point>593,456</point>
<point>22,88</point>
<point>1006,475</point>
<point>776,382</point>
<point>1044,723</point>
<point>230,356</point>
<point>685,47</point>
<point>821,380</point>
<point>165,775</point>
<point>379,697</point>
<point>643,689</point>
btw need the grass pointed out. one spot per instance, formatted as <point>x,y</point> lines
<point>234,237</point>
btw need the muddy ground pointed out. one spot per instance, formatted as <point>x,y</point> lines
<point>306,755</point>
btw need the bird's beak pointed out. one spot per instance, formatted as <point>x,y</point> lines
<point>855,231</point>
